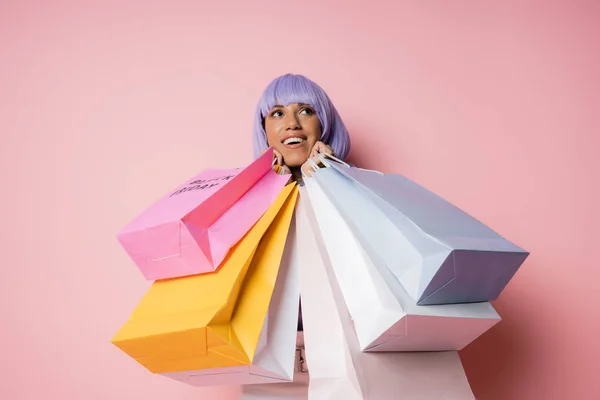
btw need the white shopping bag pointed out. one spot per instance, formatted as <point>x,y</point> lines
<point>274,360</point>
<point>385,317</point>
<point>439,253</point>
<point>338,368</point>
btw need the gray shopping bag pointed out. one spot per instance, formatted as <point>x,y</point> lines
<point>439,253</point>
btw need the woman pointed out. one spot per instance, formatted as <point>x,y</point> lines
<point>296,117</point>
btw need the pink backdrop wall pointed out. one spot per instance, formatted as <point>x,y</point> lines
<point>105,108</point>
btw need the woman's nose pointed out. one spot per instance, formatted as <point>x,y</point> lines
<point>293,122</point>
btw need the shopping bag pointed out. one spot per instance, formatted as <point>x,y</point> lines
<point>273,360</point>
<point>185,324</point>
<point>439,253</point>
<point>385,317</point>
<point>190,230</point>
<point>338,368</point>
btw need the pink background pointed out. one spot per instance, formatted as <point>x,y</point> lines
<point>105,108</point>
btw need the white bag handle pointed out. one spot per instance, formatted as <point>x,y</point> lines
<point>323,156</point>
<point>281,171</point>
<point>313,164</point>
<point>326,163</point>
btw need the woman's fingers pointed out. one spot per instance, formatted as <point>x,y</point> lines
<point>278,157</point>
<point>285,170</point>
<point>307,168</point>
<point>277,161</point>
<point>320,148</point>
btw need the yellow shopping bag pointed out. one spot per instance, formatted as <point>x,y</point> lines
<point>186,323</point>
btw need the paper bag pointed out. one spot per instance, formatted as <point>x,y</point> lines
<point>191,229</point>
<point>273,360</point>
<point>338,368</point>
<point>186,324</point>
<point>440,254</point>
<point>385,317</point>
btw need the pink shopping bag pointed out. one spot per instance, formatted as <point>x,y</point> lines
<point>191,229</point>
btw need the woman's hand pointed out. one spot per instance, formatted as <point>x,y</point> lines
<point>318,148</point>
<point>279,166</point>
<point>279,163</point>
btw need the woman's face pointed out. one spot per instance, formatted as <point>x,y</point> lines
<point>293,130</point>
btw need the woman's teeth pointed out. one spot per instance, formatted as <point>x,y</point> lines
<point>293,141</point>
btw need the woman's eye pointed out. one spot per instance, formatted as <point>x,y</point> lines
<point>276,114</point>
<point>307,111</point>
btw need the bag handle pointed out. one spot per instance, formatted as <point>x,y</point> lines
<point>323,158</point>
<point>327,164</point>
<point>279,170</point>
<point>313,164</point>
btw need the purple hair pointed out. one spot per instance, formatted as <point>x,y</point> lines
<point>290,88</point>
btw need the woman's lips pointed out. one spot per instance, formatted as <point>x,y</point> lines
<point>294,142</point>
<point>294,145</point>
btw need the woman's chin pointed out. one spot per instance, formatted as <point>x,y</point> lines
<point>295,160</point>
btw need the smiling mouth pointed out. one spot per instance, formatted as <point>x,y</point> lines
<point>293,141</point>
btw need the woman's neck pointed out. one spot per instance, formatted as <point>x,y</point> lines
<point>297,175</point>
